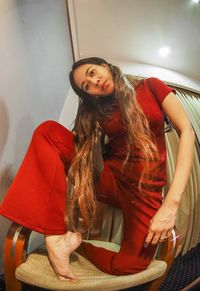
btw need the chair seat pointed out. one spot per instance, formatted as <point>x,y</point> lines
<point>90,278</point>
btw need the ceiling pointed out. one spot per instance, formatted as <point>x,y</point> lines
<point>134,31</point>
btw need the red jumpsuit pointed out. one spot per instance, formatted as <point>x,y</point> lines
<point>37,197</point>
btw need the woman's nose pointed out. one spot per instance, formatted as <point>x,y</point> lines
<point>97,82</point>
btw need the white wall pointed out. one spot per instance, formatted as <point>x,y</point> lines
<point>169,76</point>
<point>35,58</point>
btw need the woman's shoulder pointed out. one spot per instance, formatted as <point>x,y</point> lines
<point>151,80</point>
<point>137,81</point>
<point>153,84</point>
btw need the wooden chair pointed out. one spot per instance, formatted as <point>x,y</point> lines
<point>35,269</point>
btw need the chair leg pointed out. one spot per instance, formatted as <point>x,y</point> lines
<point>15,250</point>
<point>12,284</point>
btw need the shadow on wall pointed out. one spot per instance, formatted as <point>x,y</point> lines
<point>23,134</point>
<point>3,127</point>
<point>6,177</point>
<point>5,173</point>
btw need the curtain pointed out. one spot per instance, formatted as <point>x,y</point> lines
<point>188,218</point>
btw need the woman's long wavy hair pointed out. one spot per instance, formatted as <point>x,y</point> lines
<point>87,163</point>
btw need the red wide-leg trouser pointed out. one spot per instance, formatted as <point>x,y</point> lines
<point>37,199</point>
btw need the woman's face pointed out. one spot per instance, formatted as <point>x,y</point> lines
<point>95,80</point>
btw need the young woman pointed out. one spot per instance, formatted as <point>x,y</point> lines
<point>127,171</point>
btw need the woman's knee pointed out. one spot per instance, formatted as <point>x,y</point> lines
<point>51,128</point>
<point>46,126</point>
<point>54,134</point>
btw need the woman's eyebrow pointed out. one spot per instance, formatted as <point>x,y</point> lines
<point>86,73</point>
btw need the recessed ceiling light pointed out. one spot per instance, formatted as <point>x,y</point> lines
<point>196,1</point>
<point>164,51</point>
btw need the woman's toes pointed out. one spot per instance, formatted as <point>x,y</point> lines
<point>70,277</point>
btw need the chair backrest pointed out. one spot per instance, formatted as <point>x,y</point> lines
<point>108,225</point>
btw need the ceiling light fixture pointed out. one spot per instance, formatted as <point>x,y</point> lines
<point>164,51</point>
<point>196,1</point>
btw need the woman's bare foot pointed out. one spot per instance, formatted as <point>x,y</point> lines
<point>59,248</point>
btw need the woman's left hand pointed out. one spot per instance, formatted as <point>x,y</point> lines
<point>161,224</point>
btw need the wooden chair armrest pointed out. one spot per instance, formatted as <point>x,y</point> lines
<point>15,252</point>
<point>166,252</point>
<point>168,248</point>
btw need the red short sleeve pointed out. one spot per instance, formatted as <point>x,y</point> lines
<point>159,89</point>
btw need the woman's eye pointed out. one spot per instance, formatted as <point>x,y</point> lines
<point>92,72</point>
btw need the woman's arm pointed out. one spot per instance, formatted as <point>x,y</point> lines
<point>164,219</point>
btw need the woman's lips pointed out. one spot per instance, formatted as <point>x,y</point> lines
<point>104,85</point>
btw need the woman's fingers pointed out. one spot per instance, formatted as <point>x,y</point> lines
<point>148,239</point>
<point>71,277</point>
<point>154,238</point>
<point>169,233</point>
